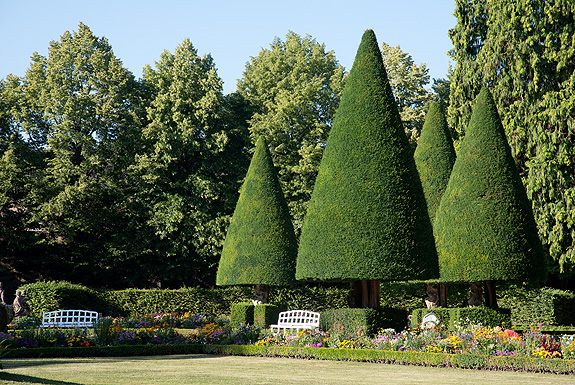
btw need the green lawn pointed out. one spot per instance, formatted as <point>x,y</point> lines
<point>211,369</point>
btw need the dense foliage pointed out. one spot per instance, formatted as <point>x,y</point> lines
<point>112,181</point>
<point>434,157</point>
<point>367,217</point>
<point>524,50</point>
<point>484,226</point>
<point>260,245</point>
<point>293,89</point>
<point>407,81</point>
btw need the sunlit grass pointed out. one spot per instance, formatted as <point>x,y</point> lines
<point>208,369</point>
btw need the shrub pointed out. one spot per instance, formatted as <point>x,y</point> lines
<point>453,318</point>
<point>313,298</point>
<point>55,295</point>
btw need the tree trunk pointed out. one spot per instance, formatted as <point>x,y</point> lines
<point>262,294</point>
<point>490,294</point>
<point>442,293</point>
<point>365,294</point>
<point>476,289</point>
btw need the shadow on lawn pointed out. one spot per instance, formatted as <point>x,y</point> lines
<point>32,380</point>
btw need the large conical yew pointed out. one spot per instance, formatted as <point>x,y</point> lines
<point>434,157</point>
<point>367,218</point>
<point>260,246</point>
<point>484,226</point>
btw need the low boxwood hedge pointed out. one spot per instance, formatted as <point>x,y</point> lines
<point>461,316</point>
<point>467,361</point>
<point>369,320</point>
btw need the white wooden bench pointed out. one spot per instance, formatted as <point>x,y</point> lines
<point>69,319</point>
<point>296,320</point>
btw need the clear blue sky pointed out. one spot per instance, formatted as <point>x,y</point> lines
<point>232,31</point>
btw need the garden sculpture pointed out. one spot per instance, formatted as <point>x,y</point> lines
<point>20,306</point>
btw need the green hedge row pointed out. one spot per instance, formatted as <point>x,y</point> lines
<point>531,306</point>
<point>467,361</point>
<point>370,320</point>
<point>462,316</point>
<point>55,295</point>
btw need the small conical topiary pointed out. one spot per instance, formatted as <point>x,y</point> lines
<point>434,157</point>
<point>484,226</point>
<point>260,246</point>
<point>367,217</point>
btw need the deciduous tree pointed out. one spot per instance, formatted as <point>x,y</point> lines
<point>294,88</point>
<point>407,81</point>
<point>189,170</point>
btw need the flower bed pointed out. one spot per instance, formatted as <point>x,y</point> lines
<point>470,340</point>
<point>190,329</point>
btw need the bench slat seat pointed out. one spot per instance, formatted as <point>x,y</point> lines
<point>69,319</point>
<point>296,320</point>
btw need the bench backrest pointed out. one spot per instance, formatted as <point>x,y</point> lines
<point>299,317</point>
<point>63,318</point>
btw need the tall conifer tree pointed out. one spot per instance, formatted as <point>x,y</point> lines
<point>484,226</point>
<point>367,218</point>
<point>260,247</point>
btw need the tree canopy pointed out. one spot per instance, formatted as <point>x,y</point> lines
<point>115,182</point>
<point>484,226</point>
<point>293,89</point>
<point>367,218</point>
<point>189,170</point>
<point>407,81</point>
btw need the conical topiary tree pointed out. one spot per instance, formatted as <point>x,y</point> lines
<point>484,226</point>
<point>434,158</point>
<point>367,218</point>
<point>260,246</point>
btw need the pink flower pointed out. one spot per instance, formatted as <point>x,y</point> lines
<point>511,333</point>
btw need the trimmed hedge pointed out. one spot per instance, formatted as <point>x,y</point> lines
<point>434,157</point>
<point>313,298</point>
<point>267,314</point>
<point>367,216</point>
<point>484,226</point>
<point>242,314</point>
<point>451,317</point>
<point>531,306</point>
<point>370,320</point>
<point>464,361</point>
<point>48,296</point>
<point>260,245</point>
<point>55,295</point>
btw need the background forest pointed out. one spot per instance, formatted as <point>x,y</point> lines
<point>112,181</point>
